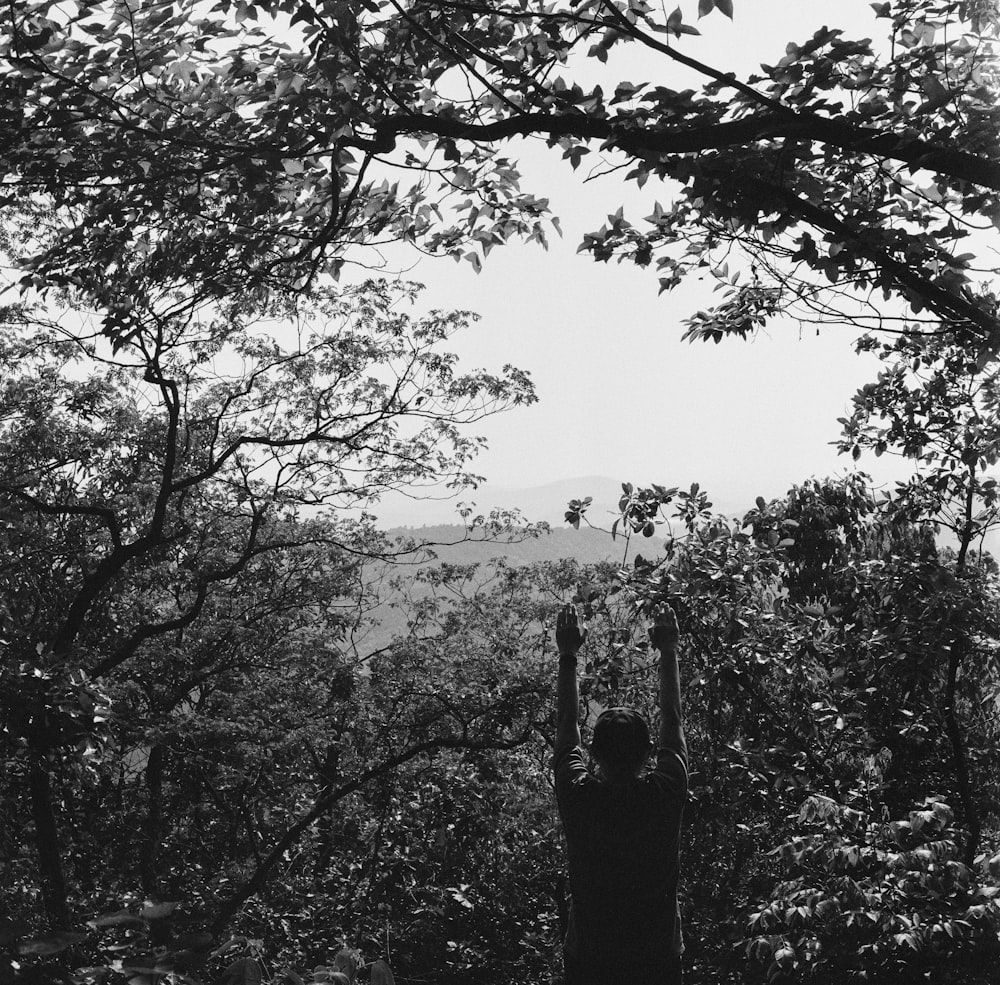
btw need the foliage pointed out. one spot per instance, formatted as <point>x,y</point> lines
<point>403,805</point>
<point>194,744</point>
<point>392,849</point>
<point>817,651</point>
<point>184,956</point>
<point>874,901</point>
<point>936,405</point>
<point>247,145</point>
<point>160,500</point>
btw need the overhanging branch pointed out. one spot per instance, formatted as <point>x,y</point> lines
<point>655,141</point>
<point>948,305</point>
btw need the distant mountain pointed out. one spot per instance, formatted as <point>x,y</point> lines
<point>542,503</point>
<point>585,545</point>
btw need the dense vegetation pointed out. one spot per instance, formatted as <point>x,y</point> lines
<point>268,798</point>
<point>207,774</point>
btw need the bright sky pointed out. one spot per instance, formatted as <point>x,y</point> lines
<point>619,394</point>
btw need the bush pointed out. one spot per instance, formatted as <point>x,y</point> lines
<point>876,901</point>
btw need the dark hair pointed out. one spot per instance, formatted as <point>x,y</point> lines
<point>621,739</point>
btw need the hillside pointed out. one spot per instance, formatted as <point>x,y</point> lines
<point>585,545</point>
<point>546,502</point>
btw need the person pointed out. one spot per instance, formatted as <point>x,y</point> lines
<point>622,826</point>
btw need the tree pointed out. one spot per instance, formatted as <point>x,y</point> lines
<point>139,481</point>
<point>936,405</point>
<point>319,804</point>
<point>933,404</point>
<point>352,783</point>
<point>253,145</point>
<point>819,704</point>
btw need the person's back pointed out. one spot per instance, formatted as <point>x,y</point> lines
<point>622,829</point>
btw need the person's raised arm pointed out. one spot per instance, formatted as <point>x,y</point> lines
<point>664,636</point>
<point>569,639</point>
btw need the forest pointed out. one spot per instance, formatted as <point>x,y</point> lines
<point>207,381</point>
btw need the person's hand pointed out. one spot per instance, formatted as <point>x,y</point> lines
<point>569,636</point>
<point>664,634</point>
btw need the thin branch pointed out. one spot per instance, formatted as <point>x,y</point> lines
<point>948,305</point>
<point>65,509</point>
<point>258,879</point>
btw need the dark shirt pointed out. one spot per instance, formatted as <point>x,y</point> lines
<point>623,844</point>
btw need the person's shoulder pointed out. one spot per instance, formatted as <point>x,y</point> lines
<point>669,758</point>
<point>670,771</point>
<point>566,753</point>
<point>568,763</point>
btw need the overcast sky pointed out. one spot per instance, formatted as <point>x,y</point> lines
<point>620,395</point>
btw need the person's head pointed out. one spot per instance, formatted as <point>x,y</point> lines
<point>620,744</point>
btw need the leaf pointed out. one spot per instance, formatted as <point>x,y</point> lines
<point>381,974</point>
<point>197,940</point>
<point>705,7</point>
<point>675,24</point>
<point>346,962</point>
<point>121,918</point>
<point>53,943</point>
<point>81,976</point>
<point>243,971</point>
<point>183,70</point>
<point>986,355</point>
<point>157,911</point>
<point>726,6</point>
<point>761,504</point>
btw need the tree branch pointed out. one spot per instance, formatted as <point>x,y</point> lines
<point>147,631</point>
<point>654,141</point>
<point>258,879</point>
<point>949,305</point>
<point>63,509</point>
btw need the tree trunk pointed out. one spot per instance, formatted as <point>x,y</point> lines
<point>955,736</point>
<point>371,866</point>
<point>960,757</point>
<point>149,852</point>
<point>50,870</point>
<point>968,527</point>
<point>328,773</point>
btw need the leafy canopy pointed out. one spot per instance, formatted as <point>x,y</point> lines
<point>239,145</point>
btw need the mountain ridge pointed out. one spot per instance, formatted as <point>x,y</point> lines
<point>542,503</point>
